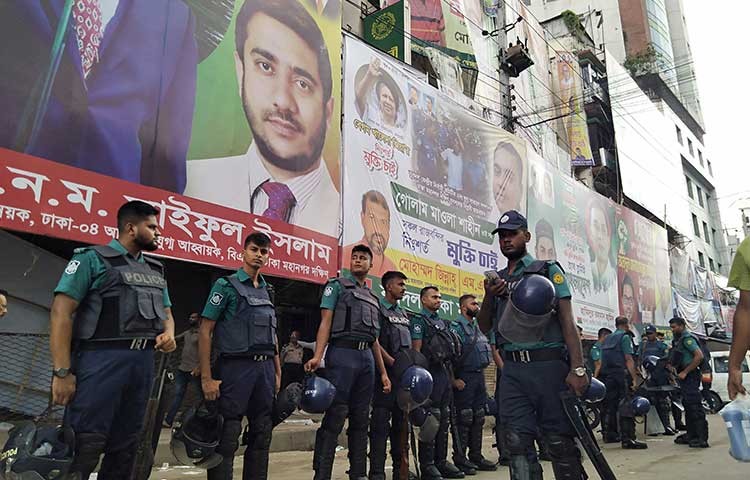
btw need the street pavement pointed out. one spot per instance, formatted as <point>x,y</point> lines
<point>663,459</point>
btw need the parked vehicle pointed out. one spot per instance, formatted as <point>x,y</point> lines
<point>720,367</point>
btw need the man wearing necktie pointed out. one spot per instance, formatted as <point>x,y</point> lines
<point>285,84</point>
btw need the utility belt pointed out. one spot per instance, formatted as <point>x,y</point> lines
<point>255,357</point>
<point>351,344</point>
<point>530,356</point>
<point>468,370</point>
<point>141,343</point>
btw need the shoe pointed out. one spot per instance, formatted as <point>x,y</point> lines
<point>682,439</point>
<point>669,431</point>
<point>431,472</point>
<point>484,465</point>
<point>611,439</point>
<point>680,427</point>
<point>467,467</point>
<point>699,444</point>
<point>505,462</point>
<point>448,470</point>
<point>164,424</point>
<point>633,445</point>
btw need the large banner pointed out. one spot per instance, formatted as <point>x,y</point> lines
<point>567,81</point>
<point>574,225</point>
<point>425,181</point>
<point>47,198</point>
<point>645,294</point>
<point>232,102</point>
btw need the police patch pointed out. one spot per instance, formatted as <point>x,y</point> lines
<point>328,291</point>
<point>72,267</point>
<point>216,299</point>
<point>558,278</point>
<point>689,342</point>
<point>417,328</point>
<point>504,219</point>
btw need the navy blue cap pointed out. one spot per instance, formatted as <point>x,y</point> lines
<point>650,328</point>
<point>511,220</point>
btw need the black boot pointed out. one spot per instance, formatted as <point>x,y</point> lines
<point>627,431</point>
<point>522,469</point>
<point>357,437</point>
<point>700,429</point>
<point>465,420</point>
<point>228,445</point>
<point>447,469</point>
<point>326,440</point>
<point>426,454</point>
<point>475,444</point>
<point>378,437</point>
<point>255,459</point>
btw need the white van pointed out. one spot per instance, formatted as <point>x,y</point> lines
<point>720,367</point>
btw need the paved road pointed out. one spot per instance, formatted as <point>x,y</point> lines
<point>662,460</point>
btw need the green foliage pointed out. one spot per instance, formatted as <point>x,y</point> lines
<point>573,22</point>
<point>643,62</point>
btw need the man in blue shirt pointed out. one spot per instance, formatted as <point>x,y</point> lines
<point>350,327</point>
<point>534,373</point>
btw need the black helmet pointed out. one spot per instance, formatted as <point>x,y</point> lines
<point>286,402</point>
<point>37,452</point>
<point>195,437</point>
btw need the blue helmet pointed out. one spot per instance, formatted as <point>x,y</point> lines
<point>490,406</point>
<point>596,391</point>
<point>317,394</point>
<point>649,363</point>
<point>534,295</point>
<point>415,387</point>
<point>640,405</point>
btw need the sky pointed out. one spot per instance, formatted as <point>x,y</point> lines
<point>718,34</point>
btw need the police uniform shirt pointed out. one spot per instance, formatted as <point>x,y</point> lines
<point>596,352</point>
<point>85,272</point>
<point>457,327</point>
<point>418,325</point>
<point>223,300</point>
<point>562,289</point>
<point>627,344</point>
<point>331,294</point>
<point>689,346</point>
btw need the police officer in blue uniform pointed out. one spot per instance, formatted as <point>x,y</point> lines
<point>387,419</point>
<point>239,318</point>
<point>350,319</point>
<point>658,376</point>
<point>535,372</point>
<point>103,361</point>
<point>619,373</point>
<point>431,336</point>
<point>686,358</point>
<point>469,389</point>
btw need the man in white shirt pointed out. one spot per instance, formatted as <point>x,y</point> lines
<point>284,76</point>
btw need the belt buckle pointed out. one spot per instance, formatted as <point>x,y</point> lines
<point>362,346</point>
<point>139,343</point>
<point>524,356</point>
<point>258,358</point>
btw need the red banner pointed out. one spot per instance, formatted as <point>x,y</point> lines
<point>52,199</point>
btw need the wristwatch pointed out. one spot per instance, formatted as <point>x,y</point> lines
<point>579,371</point>
<point>61,372</point>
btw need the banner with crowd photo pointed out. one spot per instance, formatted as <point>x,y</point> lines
<point>170,95</point>
<point>645,293</point>
<point>425,181</point>
<point>47,198</point>
<point>566,77</point>
<point>441,24</point>
<point>574,226</point>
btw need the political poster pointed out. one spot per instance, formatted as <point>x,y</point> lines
<point>567,82</point>
<point>425,180</point>
<point>644,291</point>
<point>574,226</point>
<point>230,102</point>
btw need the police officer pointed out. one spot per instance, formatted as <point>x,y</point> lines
<point>103,362</point>
<point>595,355</point>
<point>350,319</point>
<point>534,373</point>
<point>503,457</point>
<point>658,376</point>
<point>387,418</point>
<point>469,389</point>
<point>431,336</point>
<point>241,319</point>
<point>686,358</point>
<point>619,373</point>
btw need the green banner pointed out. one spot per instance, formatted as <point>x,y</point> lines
<point>384,30</point>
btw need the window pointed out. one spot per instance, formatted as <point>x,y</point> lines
<point>713,236</point>
<point>700,157</point>
<point>689,186</point>
<point>721,365</point>
<point>696,228</point>
<point>705,233</point>
<point>700,196</point>
<point>701,260</point>
<point>690,148</point>
<point>711,264</point>
<point>679,135</point>
<point>710,170</point>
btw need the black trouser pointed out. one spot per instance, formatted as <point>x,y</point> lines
<point>617,385</point>
<point>692,400</point>
<point>386,421</point>
<point>291,373</point>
